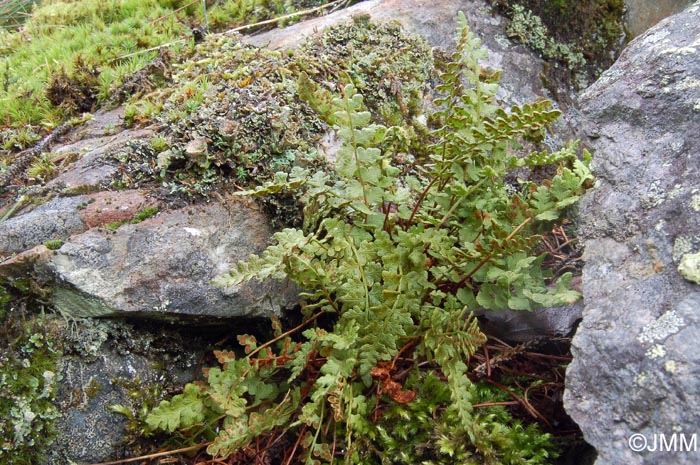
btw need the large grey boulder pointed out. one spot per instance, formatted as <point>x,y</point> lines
<point>636,367</point>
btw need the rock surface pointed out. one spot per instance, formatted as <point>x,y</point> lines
<point>165,265</point>
<point>92,144</point>
<point>518,326</point>
<point>636,367</point>
<point>55,219</point>
<point>643,14</point>
<point>106,363</point>
<point>161,266</point>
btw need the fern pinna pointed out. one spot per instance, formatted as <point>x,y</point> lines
<point>399,260</point>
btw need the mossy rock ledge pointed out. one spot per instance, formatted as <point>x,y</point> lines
<point>111,265</point>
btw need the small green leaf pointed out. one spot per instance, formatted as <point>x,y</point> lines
<point>182,411</point>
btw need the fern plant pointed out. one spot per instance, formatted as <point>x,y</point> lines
<point>398,261</point>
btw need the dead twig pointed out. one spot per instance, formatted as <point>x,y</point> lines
<point>156,455</point>
<point>239,28</point>
<point>530,409</point>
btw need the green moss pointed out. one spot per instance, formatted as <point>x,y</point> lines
<point>54,244</point>
<point>239,114</point>
<point>18,138</point>
<point>62,34</point>
<point>82,189</point>
<point>92,389</point>
<point>144,214</point>
<point>141,215</point>
<point>4,301</point>
<point>427,430</point>
<point>14,13</point>
<point>43,169</point>
<point>580,38</point>
<point>528,29</point>
<point>28,380</point>
<point>114,225</point>
<point>159,144</point>
<point>112,37</point>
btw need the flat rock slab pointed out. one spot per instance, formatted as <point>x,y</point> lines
<point>61,217</point>
<point>95,167</point>
<point>164,266</point>
<point>636,367</point>
<point>110,207</point>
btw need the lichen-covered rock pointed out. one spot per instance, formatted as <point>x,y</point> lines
<point>91,146</point>
<point>689,267</point>
<point>636,365</point>
<point>108,371</point>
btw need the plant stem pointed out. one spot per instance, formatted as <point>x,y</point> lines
<point>487,258</point>
<point>351,127</point>
<point>283,335</point>
<point>362,272</point>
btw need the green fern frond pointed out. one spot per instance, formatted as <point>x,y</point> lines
<point>270,264</point>
<point>393,263</point>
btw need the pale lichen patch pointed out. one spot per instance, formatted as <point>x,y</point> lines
<point>641,379</point>
<point>682,245</point>
<point>656,351</point>
<point>695,202</point>
<point>193,232</point>
<point>670,366</point>
<point>657,194</point>
<point>657,36</point>
<point>677,189</point>
<point>667,324</point>
<point>689,49</point>
<point>688,83</point>
<point>689,267</point>
<point>685,51</point>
